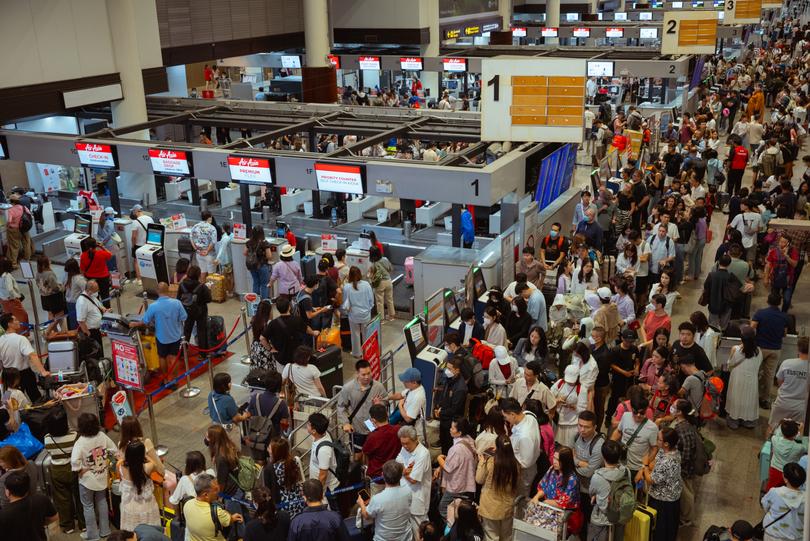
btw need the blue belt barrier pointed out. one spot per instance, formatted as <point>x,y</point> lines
<point>178,378</point>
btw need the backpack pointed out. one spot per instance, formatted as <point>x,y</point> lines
<point>767,164</point>
<point>704,449</point>
<point>748,227</point>
<point>621,501</point>
<point>712,392</point>
<point>26,221</point>
<point>294,309</point>
<point>343,458</point>
<point>260,428</point>
<point>252,259</point>
<point>247,475</point>
<point>473,373</point>
<point>779,275</point>
<point>482,352</point>
<point>189,298</point>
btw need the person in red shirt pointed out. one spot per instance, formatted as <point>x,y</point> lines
<point>93,264</point>
<point>381,446</point>
<point>208,75</point>
<point>372,236</point>
<point>656,318</point>
<point>780,269</point>
<point>739,160</point>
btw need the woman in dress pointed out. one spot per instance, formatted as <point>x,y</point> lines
<point>742,400</point>
<point>559,487</point>
<point>260,349</point>
<point>138,504</point>
<point>499,475</point>
<point>51,294</point>
<point>663,479</point>
<point>494,333</point>
<point>304,376</point>
<point>283,476</point>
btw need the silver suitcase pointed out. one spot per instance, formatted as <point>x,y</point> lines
<point>43,464</point>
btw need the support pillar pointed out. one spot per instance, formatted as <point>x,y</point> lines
<point>319,78</point>
<point>112,184</point>
<point>505,11</point>
<point>431,80</point>
<point>552,19</point>
<point>244,195</point>
<point>455,212</point>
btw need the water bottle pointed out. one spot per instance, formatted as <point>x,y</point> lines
<point>60,377</point>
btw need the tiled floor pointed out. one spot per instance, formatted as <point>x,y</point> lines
<point>729,492</point>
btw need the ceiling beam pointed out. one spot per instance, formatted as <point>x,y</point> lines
<point>355,148</point>
<point>280,132</point>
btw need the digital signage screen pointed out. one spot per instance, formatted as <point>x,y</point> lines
<point>648,33</point>
<point>341,178</point>
<point>290,61</point>
<point>369,62</point>
<point>645,16</point>
<point>614,32</point>
<point>620,16</point>
<point>519,32</point>
<point>410,63</point>
<point>97,155</point>
<point>166,161</point>
<point>600,68</point>
<point>250,169</point>
<point>549,32</point>
<point>334,60</point>
<point>454,64</point>
<point>582,32</point>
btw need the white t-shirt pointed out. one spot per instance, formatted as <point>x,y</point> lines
<point>15,351</point>
<point>572,401</point>
<point>589,118</point>
<point>793,375</point>
<point>744,221</point>
<point>185,487</point>
<point>91,454</point>
<point>303,377</point>
<point>140,228</point>
<point>422,473</point>
<point>323,458</point>
<point>672,230</point>
<point>414,401</point>
<point>643,266</point>
<point>89,310</point>
<point>525,440</point>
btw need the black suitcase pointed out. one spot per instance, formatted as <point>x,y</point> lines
<point>43,464</point>
<point>216,332</point>
<point>330,362</point>
<point>345,334</point>
<point>309,266</point>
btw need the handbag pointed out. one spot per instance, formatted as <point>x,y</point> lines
<point>703,300</point>
<point>759,529</point>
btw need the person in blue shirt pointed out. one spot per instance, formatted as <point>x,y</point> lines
<point>579,211</point>
<point>536,305</point>
<point>168,315</point>
<point>467,229</point>
<point>591,229</point>
<point>771,325</point>
<point>223,410</point>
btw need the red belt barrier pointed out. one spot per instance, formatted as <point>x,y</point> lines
<point>209,350</point>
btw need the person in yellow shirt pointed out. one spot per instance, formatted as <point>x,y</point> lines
<point>198,513</point>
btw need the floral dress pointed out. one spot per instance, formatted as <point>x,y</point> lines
<point>290,500</point>
<point>552,486</point>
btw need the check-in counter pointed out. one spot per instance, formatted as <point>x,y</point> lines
<point>290,202</point>
<point>170,246</point>
<point>495,223</point>
<point>242,281</point>
<point>355,208</point>
<point>228,197</point>
<point>174,190</point>
<point>428,214</point>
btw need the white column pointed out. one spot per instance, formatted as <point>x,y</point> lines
<point>316,33</point>
<point>505,11</point>
<point>132,109</point>
<point>429,13</point>
<point>552,18</point>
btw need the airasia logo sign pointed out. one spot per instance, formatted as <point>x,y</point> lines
<point>167,154</point>
<point>250,169</point>
<point>95,155</point>
<point>170,162</point>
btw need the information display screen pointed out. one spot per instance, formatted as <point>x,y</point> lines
<point>614,32</point>
<point>171,162</point>
<point>451,312</point>
<point>81,226</point>
<point>572,17</point>
<point>454,64</point>
<point>479,284</point>
<point>410,63</point>
<point>97,155</point>
<point>250,170</point>
<point>153,236</point>
<point>648,33</point>
<point>582,32</point>
<point>341,178</point>
<point>555,175</point>
<point>677,5</point>
<point>620,16</point>
<point>600,68</point>
<point>549,32</point>
<point>645,16</point>
<point>518,32</point>
<point>290,61</point>
<point>369,62</point>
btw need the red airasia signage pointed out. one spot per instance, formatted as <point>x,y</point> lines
<point>250,169</point>
<point>170,162</point>
<point>96,155</point>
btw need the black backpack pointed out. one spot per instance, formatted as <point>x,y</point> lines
<point>343,458</point>
<point>189,298</point>
<point>26,221</point>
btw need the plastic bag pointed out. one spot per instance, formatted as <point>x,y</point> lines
<point>24,441</point>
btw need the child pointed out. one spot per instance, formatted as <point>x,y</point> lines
<point>786,446</point>
<point>195,465</point>
<point>784,506</point>
<point>11,391</point>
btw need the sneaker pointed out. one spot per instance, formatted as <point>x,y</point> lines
<point>69,531</point>
<point>83,535</point>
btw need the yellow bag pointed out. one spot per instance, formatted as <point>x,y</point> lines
<point>216,283</point>
<point>330,336</point>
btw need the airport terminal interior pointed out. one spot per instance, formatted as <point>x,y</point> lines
<point>531,268</point>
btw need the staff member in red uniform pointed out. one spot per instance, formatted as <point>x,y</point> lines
<point>93,265</point>
<point>739,159</point>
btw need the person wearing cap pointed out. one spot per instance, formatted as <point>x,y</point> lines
<point>203,237</point>
<point>571,397</point>
<point>106,236</point>
<point>19,242</point>
<point>502,372</point>
<point>607,316</point>
<point>138,238</point>
<point>287,273</point>
<point>411,402</point>
<point>742,397</point>
<point>624,367</point>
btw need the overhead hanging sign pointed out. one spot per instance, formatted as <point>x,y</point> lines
<point>519,105</point>
<point>369,62</point>
<point>96,155</point>
<point>582,32</point>
<point>340,178</point>
<point>410,63</point>
<point>250,170</point>
<point>334,60</point>
<point>548,32</point>
<point>689,32</point>
<point>742,11</point>
<point>519,32</point>
<point>170,162</point>
<point>454,64</point>
<point>614,32</point>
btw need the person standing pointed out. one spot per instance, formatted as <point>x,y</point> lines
<point>744,363</point>
<point>457,469</point>
<point>639,435</point>
<point>195,296</point>
<point>451,401</point>
<point>534,270</point>
<point>389,508</point>
<point>287,273</point>
<point>599,491</point>
<point>285,333</point>
<point>498,473</point>
<point>90,458</point>
<point>689,438</point>
<point>663,479</point>
<point>257,260</point>
<point>720,290</point>
<point>138,504</point>
<point>10,295</point>
<point>107,236</point>
<point>624,367</point>
<point>354,403</point>
<point>19,239</point>
<point>738,162</point>
<point>748,223</point>
<point>138,239</point>
<point>27,514</point>
<point>358,300</point>
<point>770,325</point>
<point>16,352</point>
<point>93,264</point>
<point>381,445</point>
<point>526,442</point>
<point>168,316</point>
<point>587,457</point>
<point>317,522</point>
<point>416,475</point>
<point>780,269</point>
<point>203,237</point>
<point>791,398</point>
<point>467,229</point>
<point>380,278</point>
<point>529,386</point>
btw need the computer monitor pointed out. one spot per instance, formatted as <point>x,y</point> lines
<point>415,336</point>
<point>281,229</point>
<point>451,312</point>
<point>155,234</point>
<point>479,284</point>
<point>81,225</point>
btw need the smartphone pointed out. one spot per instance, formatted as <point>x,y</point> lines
<point>364,494</point>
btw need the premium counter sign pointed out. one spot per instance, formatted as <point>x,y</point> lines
<point>410,63</point>
<point>519,32</point>
<point>340,178</point>
<point>170,162</point>
<point>548,32</point>
<point>369,62</point>
<point>250,170</point>
<point>582,32</point>
<point>454,64</point>
<point>96,155</point>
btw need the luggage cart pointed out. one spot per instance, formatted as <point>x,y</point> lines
<point>539,522</point>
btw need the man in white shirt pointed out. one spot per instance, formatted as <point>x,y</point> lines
<point>698,191</point>
<point>525,440</point>
<point>748,223</point>
<point>322,461</point>
<point>530,387</point>
<point>672,229</point>
<point>411,402</point>
<point>204,239</point>
<point>643,272</point>
<point>16,352</point>
<point>142,222</point>
<point>89,311</point>
<point>589,118</point>
<point>417,475</point>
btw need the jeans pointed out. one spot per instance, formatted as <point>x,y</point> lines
<point>261,277</point>
<point>356,328</point>
<point>71,316</point>
<point>95,501</point>
<point>112,263</point>
<point>696,259</point>
<point>786,293</point>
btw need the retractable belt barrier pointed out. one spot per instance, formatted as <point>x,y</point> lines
<point>284,505</point>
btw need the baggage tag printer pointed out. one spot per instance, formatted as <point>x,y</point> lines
<point>427,359</point>
<point>81,231</point>
<point>151,258</point>
<point>451,311</point>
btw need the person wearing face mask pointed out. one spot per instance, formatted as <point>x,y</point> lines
<point>494,333</point>
<point>502,372</point>
<point>572,398</point>
<point>451,401</point>
<point>471,328</point>
<point>89,311</point>
<point>588,369</point>
<point>553,248</point>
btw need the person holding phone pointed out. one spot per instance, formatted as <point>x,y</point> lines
<point>390,509</point>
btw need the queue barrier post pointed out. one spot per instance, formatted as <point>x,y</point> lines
<point>210,360</point>
<point>145,301</point>
<point>246,357</point>
<point>189,391</point>
<point>37,344</point>
<point>117,295</point>
<point>161,450</point>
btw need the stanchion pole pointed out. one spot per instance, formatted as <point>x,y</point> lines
<point>37,345</point>
<point>210,371</point>
<point>117,295</point>
<point>160,449</point>
<point>246,356</point>
<point>189,391</point>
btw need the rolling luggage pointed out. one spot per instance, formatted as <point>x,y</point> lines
<point>216,332</point>
<point>607,268</point>
<point>309,266</point>
<point>43,465</point>
<point>409,270</point>
<point>150,354</point>
<point>345,334</point>
<point>641,526</point>
<point>330,362</point>
<point>216,283</point>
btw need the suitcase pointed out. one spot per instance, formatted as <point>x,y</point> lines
<point>724,198</point>
<point>607,268</point>
<point>216,283</point>
<point>409,270</point>
<point>150,354</point>
<point>309,266</point>
<point>63,356</point>
<point>216,332</point>
<point>642,524</point>
<point>345,334</point>
<point>330,362</point>
<point>43,465</point>
<point>764,462</point>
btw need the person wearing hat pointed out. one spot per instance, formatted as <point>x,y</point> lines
<point>287,273</point>
<point>502,372</point>
<point>19,241</point>
<point>411,402</point>
<point>107,237</point>
<point>138,239</point>
<point>607,316</point>
<point>742,404</point>
<point>571,397</point>
<point>624,367</point>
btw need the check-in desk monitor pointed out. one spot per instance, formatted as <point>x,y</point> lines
<point>81,230</point>
<point>427,359</point>
<point>480,293</point>
<point>151,259</point>
<point>451,312</point>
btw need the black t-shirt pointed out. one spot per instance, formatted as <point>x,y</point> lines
<point>625,201</point>
<point>25,519</point>
<point>626,360</point>
<point>256,530</point>
<point>553,247</point>
<point>325,291</point>
<point>639,192</point>
<point>305,304</point>
<point>693,354</point>
<point>4,418</point>
<point>285,333</point>
<point>603,359</point>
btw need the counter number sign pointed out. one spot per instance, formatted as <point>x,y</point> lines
<point>689,32</point>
